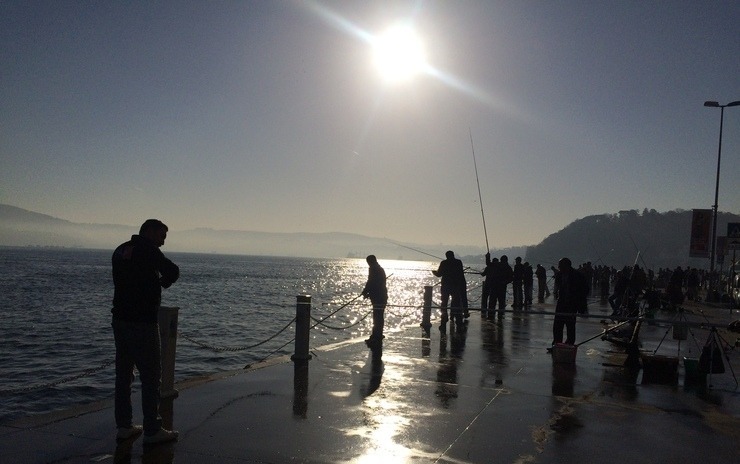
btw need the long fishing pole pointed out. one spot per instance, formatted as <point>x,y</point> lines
<point>416,250</point>
<point>480,199</point>
<point>433,256</point>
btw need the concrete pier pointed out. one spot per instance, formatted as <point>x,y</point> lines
<point>488,393</point>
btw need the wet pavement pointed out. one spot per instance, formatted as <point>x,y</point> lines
<point>486,394</point>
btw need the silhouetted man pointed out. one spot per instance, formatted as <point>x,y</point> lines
<point>452,287</point>
<point>503,275</point>
<point>542,290</point>
<point>572,300</point>
<point>140,270</point>
<point>518,285</point>
<point>376,290</point>
<point>488,298</point>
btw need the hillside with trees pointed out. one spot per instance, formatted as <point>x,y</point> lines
<point>662,240</point>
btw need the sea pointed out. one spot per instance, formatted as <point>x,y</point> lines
<point>56,341</point>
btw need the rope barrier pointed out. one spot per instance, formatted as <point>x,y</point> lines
<point>29,388</point>
<point>233,348</point>
<point>321,322</point>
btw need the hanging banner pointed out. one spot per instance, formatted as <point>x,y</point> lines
<point>701,241</point>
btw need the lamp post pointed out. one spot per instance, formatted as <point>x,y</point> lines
<point>714,104</point>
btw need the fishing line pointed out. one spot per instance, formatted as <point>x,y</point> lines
<point>418,251</point>
<point>480,200</point>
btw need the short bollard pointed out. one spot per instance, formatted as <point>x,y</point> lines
<point>167,318</point>
<point>302,327</point>
<point>426,322</point>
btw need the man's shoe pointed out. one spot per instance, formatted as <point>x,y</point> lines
<point>162,436</point>
<point>124,433</point>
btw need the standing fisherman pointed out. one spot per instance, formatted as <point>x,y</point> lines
<point>518,283</point>
<point>376,290</point>
<point>572,300</point>
<point>453,286</point>
<point>528,283</point>
<point>488,298</point>
<point>542,290</point>
<point>503,275</point>
<point>140,271</point>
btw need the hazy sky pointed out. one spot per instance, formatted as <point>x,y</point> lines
<point>272,116</point>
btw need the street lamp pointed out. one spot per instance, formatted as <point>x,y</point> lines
<point>714,104</point>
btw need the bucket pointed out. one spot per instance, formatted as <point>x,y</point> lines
<point>692,375</point>
<point>659,369</point>
<point>562,353</point>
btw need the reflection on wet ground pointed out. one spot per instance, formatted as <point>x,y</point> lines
<point>483,391</point>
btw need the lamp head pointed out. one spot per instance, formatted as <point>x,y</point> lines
<point>712,104</point>
<point>735,103</point>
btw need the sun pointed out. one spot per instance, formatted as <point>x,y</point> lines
<point>398,54</point>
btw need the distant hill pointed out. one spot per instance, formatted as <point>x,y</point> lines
<point>662,239</point>
<point>20,227</point>
<point>612,239</point>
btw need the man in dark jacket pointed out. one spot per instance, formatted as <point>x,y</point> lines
<point>502,277</point>
<point>140,270</point>
<point>376,290</point>
<point>572,300</point>
<point>453,286</point>
<point>518,283</point>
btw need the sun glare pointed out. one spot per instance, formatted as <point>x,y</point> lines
<point>398,53</point>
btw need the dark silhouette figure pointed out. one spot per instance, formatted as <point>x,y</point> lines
<point>542,290</point>
<point>488,296</point>
<point>692,284</point>
<point>555,282</point>
<point>140,271</point>
<point>376,290</point>
<point>572,300</point>
<point>528,283</point>
<point>453,287</point>
<point>502,277</point>
<point>675,287</point>
<point>518,283</point>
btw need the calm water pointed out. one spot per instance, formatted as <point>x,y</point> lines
<point>56,315</point>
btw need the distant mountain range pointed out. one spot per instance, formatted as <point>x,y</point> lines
<point>662,240</point>
<point>20,227</point>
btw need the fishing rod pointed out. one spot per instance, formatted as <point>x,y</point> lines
<point>480,199</point>
<point>433,256</point>
<point>416,250</point>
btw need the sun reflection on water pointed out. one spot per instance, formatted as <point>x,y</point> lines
<point>338,302</point>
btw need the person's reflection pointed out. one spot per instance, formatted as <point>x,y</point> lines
<point>160,453</point>
<point>376,371</point>
<point>123,451</point>
<point>492,337</point>
<point>300,388</point>
<point>163,453</point>
<point>563,378</point>
<point>447,386</point>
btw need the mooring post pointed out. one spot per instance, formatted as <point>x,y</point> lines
<point>167,318</point>
<point>426,317</point>
<point>302,327</point>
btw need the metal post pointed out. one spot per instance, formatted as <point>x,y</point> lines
<point>713,280</point>
<point>302,327</point>
<point>167,318</point>
<point>426,322</point>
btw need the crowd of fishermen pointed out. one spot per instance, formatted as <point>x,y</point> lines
<point>624,289</point>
